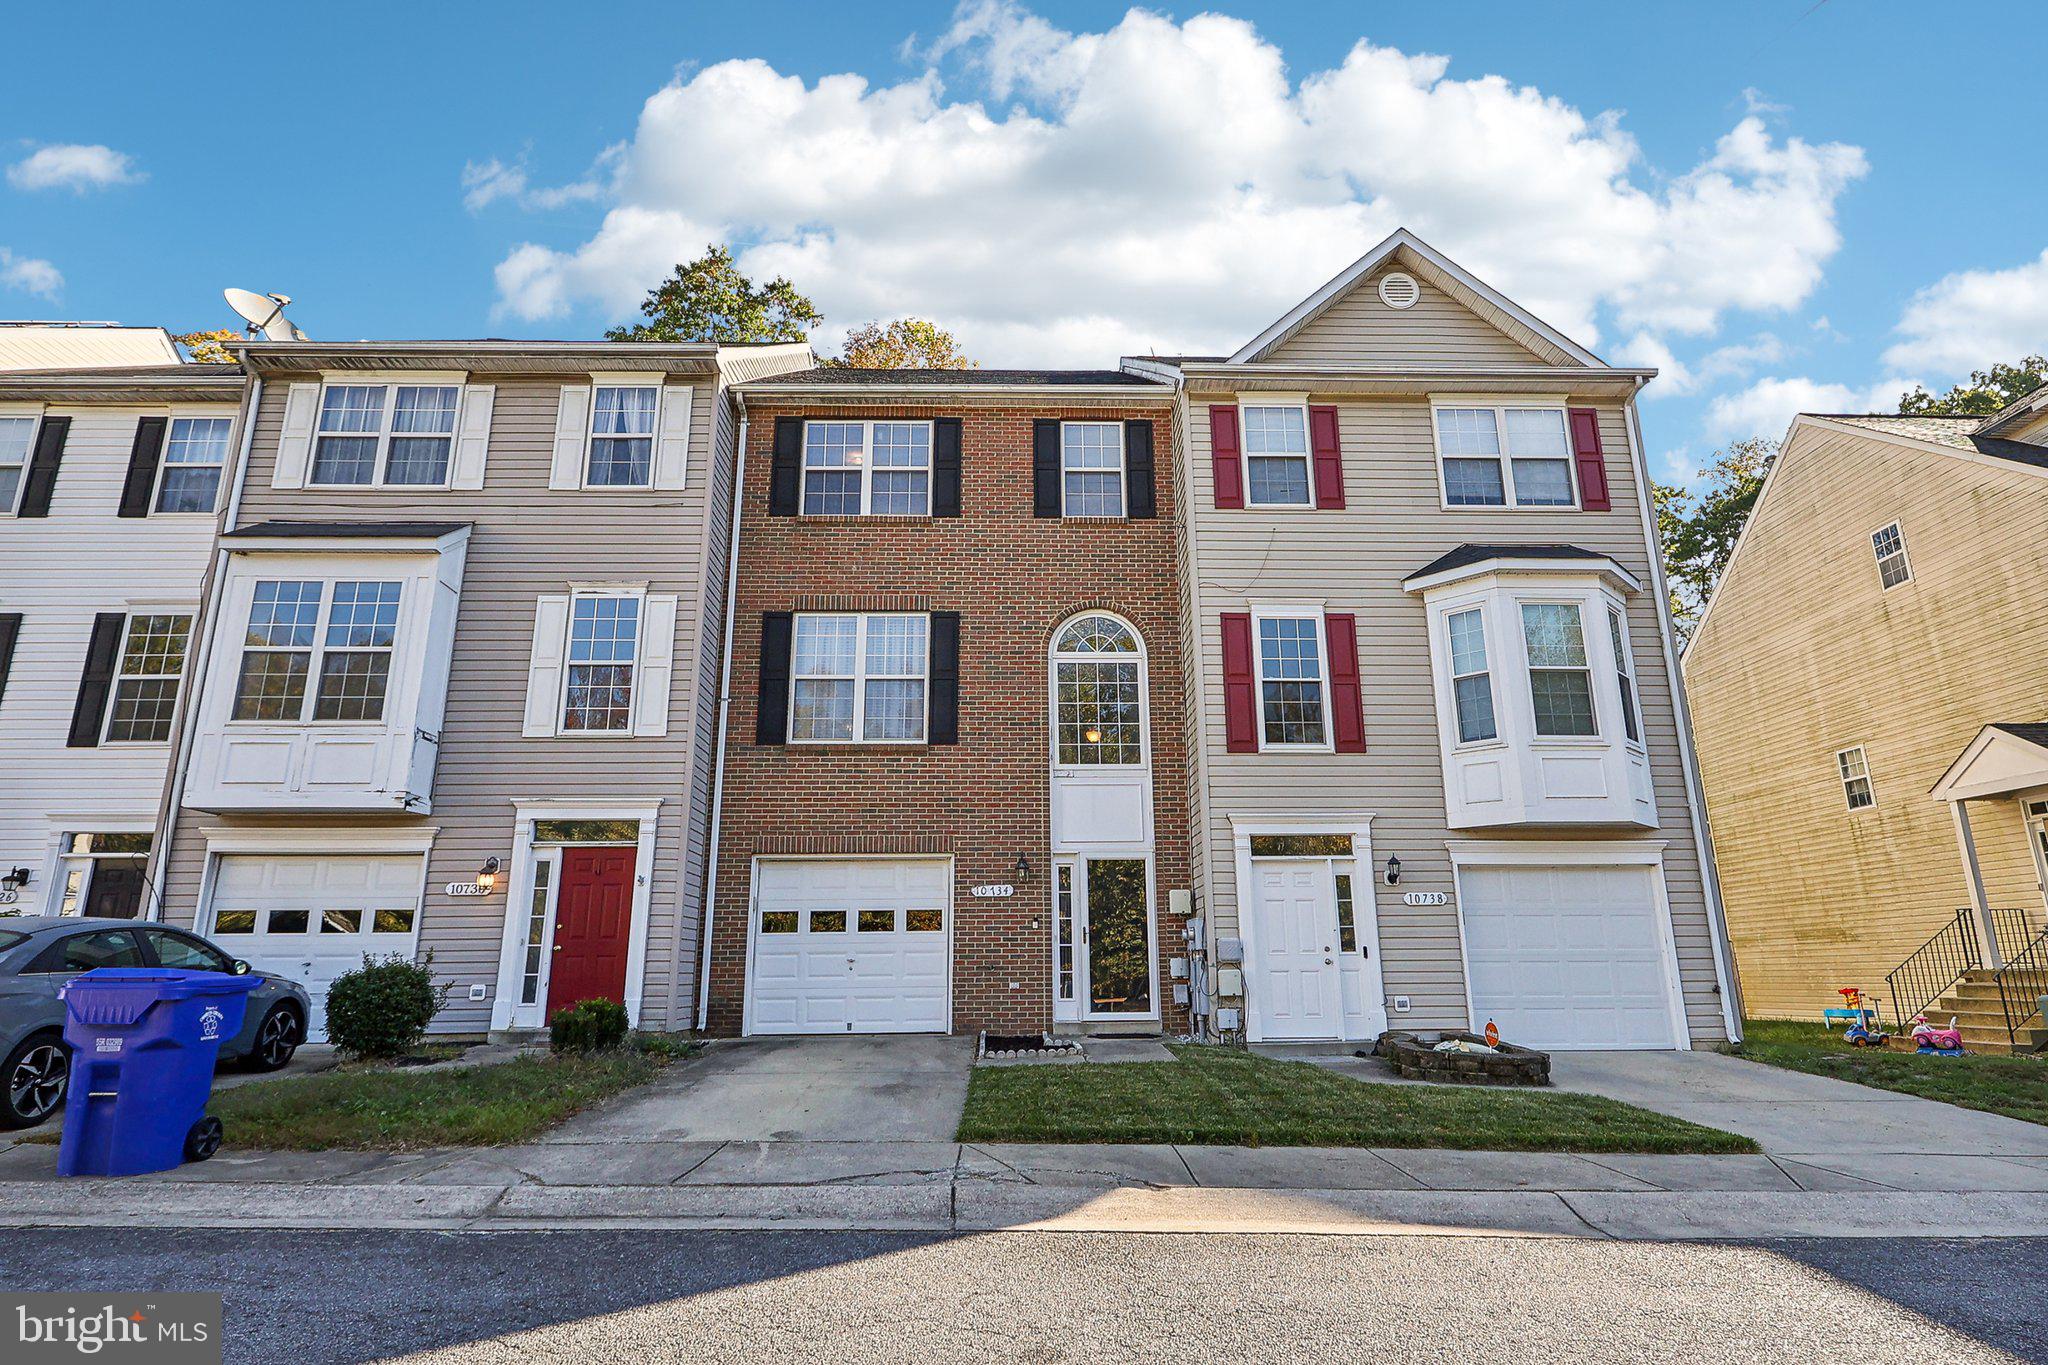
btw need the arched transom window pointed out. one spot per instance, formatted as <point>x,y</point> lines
<point>1098,692</point>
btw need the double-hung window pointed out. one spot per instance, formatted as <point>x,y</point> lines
<point>879,469</point>
<point>1471,678</point>
<point>1625,675</point>
<point>194,455</point>
<point>859,678</point>
<point>1855,770</point>
<point>622,437</point>
<point>1092,469</point>
<point>398,435</point>
<point>604,650</point>
<point>1560,682</point>
<point>17,437</point>
<point>1293,689</point>
<point>299,631</point>
<point>1276,457</point>
<point>1889,545</point>
<point>151,663</point>
<point>1505,457</point>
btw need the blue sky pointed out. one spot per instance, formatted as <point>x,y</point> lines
<point>1786,205</point>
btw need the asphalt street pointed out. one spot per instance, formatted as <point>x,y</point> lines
<point>308,1297</point>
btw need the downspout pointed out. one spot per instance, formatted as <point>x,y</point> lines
<point>732,592</point>
<point>188,696</point>
<point>1695,792</point>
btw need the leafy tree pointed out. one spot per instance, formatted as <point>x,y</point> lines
<point>708,299</point>
<point>905,344</point>
<point>1698,527</point>
<point>1985,392</point>
<point>208,348</point>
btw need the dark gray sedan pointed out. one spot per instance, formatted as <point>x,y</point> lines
<point>39,953</point>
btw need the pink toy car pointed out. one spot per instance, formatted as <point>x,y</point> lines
<point>1945,1042</point>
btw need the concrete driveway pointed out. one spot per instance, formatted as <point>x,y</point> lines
<point>907,1088</point>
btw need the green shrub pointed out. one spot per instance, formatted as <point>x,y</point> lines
<point>382,1008</point>
<point>588,1026</point>
<point>667,1047</point>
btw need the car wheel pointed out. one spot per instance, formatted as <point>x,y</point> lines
<point>34,1076</point>
<point>277,1039</point>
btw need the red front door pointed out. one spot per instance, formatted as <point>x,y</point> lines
<point>591,919</point>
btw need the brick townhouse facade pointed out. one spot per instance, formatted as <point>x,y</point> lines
<point>966,862</point>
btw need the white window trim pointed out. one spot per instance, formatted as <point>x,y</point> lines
<point>34,413</point>
<point>188,610</point>
<point>591,433</point>
<point>1308,451</point>
<point>164,465</point>
<point>1843,776</point>
<point>1058,657</point>
<point>1880,559</point>
<point>1123,488</point>
<point>860,678</point>
<point>866,468</point>
<point>1589,668</point>
<point>1080,1009</point>
<point>1499,406</point>
<point>579,592</point>
<point>57,861</point>
<point>1364,903</point>
<point>1292,613</point>
<point>1492,672</point>
<point>425,380</point>
<point>1630,701</point>
<point>318,650</point>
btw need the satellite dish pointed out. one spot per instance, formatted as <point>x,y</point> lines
<point>264,313</point>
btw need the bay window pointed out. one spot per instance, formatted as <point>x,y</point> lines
<point>1625,677</point>
<point>296,625</point>
<point>1505,456</point>
<point>1471,680</point>
<point>1560,682</point>
<point>859,677</point>
<point>399,435</point>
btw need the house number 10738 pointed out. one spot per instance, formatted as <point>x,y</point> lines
<point>1425,898</point>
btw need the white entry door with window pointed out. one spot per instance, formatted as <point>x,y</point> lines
<point>309,917</point>
<point>1568,956</point>
<point>850,946</point>
<point>1312,971</point>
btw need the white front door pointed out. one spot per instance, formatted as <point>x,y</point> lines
<point>310,917</point>
<point>853,946</point>
<point>1567,957</point>
<point>1298,981</point>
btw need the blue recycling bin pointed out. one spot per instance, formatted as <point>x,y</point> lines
<point>144,1041</point>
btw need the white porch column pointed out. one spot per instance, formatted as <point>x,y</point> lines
<point>1987,932</point>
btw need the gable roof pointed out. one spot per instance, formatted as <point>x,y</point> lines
<point>2002,758</point>
<point>1957,433</point>
<point>1440,270</point>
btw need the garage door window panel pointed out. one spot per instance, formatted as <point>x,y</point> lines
<point>859,676</point>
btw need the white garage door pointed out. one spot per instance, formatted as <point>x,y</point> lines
<point>850,947</point>
<point>311,917</point>
<point>1567,957</point>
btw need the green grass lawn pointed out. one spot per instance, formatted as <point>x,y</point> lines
<point>2014,1086</point>
<point>1223,1096</point>
<point>400,1110</point>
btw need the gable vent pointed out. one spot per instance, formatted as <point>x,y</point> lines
<point>1399,291</point>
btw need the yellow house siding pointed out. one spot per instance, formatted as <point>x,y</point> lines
<point>1358,329</point>
<point>1804,654</point>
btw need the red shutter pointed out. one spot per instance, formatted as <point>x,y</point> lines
<point>1225,460</point>
<point>1240,689</point>
<point>1592,463</point>
<point>1347,695</point>
<point>1329,458</point>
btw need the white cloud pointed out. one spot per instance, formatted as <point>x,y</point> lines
<point>1170,184</point>
<point>73,166</point>
<point>1676,378</point>
<point>1975,318</point>
<point>486,182</point>
<point>1766,408</point>
<point>30,274</point>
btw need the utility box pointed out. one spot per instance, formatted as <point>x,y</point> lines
<point>1226,1019</point>
<point>1229,982</point>
<point>1230,950</point>
<point>1193,933</point>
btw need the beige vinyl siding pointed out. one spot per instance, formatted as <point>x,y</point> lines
<point>59,572</point>
<point>1392,526</point>
<point>1804,654</point>
<point>527,540</point>
<point>2035,431</point>
<point>1358,329</point>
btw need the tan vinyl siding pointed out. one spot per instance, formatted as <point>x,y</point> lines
<point>1392,526</point>
<point>1358,329</point>
<point>528,540</point>
<point>1804,654</point>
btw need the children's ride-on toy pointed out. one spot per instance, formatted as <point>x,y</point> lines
<point>1940,1042</point>
<point>1863,1030</point>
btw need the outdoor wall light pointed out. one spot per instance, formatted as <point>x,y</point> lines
<point>16,879</point>
<point>487,878</point>
<point>1023,867</point>
<point>1393,871</point>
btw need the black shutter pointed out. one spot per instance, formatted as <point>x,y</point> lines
<point>10,631</point>
<point>787,471</point>
<point>142,463</point>
<point>97,682</point>
<point>771,709</point>
<point>946,467</point>
<point>945,667</point>
<point>42,467</point>
<point>1045,467</point>
<point>1138,501</point>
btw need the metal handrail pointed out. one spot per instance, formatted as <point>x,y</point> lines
<point>2015,929</point>
<point>2022,981</point>
<point>1928,972</point>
